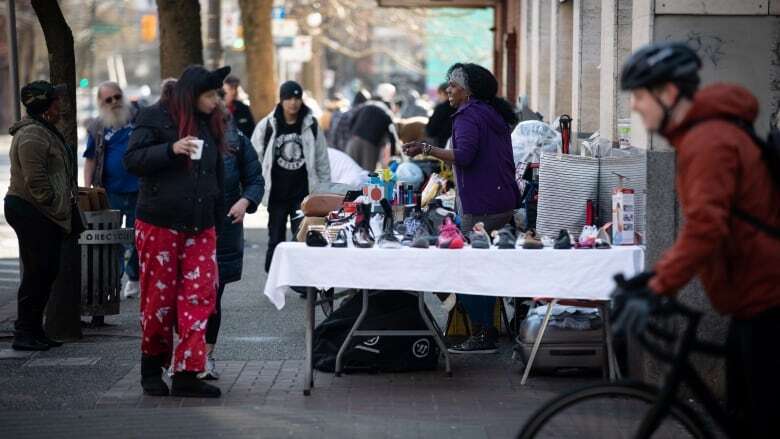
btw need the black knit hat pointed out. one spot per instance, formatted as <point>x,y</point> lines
<point>203,80</point>
<point>37,96</point>
<point>289,90</point>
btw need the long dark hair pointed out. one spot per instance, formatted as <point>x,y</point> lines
<point>484,86</point>
<point>183,105</point>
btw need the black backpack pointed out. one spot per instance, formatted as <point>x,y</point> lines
<point>386,311</point>
<point>770,152</point>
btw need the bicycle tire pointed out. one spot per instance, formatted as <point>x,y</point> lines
<point>628,390</point>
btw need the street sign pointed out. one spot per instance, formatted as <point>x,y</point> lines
<point>284,28</point>
<point>437,3</point>
<point>278,12</point>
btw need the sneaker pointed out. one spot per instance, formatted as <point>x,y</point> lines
<point>377,224</point>
<point>362,236</point>
<point>476,344</point>
<point>28,343</point>
<point>532,241</point>
<point>388,239</point>
<point>449,236</point>
<point>315,237</point>
<point>131,290</point>
<point>341,239</point>
<point>504,238</point>
<point>602,245</point>
<point>479,237</point>
<point>564,240</point>
<point>410,226</point>
<point>210,374</point>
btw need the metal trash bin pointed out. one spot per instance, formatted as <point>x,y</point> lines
<point>101,274</point>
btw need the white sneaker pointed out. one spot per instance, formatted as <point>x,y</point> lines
<point>132,289</point>
<point>210,374</point>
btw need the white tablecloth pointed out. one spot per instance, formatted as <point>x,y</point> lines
<point>564,274</point>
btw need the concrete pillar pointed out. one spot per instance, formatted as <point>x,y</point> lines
<point>524,58</point>
<point>561,32</point>
<point>540,61</point>
<point>615,48</point>
<point>586,44</point>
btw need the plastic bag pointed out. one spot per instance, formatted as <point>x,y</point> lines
<point>531,138</point>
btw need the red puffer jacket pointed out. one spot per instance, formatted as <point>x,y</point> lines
<point>719,169</point>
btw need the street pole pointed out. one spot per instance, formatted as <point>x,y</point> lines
<point>213,37</point>
<point>14,64</point>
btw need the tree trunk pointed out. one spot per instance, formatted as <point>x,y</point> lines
<point>259,51</point>
<point>63,311</point>
<point>181,42</point>
<point>213,34</point>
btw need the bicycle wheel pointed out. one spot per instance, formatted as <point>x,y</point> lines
<point>607,411</point>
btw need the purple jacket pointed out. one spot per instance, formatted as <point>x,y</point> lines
<point>484,166</point>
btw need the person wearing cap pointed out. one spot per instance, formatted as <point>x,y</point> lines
<point>730,239</point>
<point>39,206</point>
<point>107,139</point>
<point>177,151</point>
<point>294,157</point>
<point>242,114</point>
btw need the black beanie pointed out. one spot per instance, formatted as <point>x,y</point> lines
<point>37,96</point>
<point>289,90</point>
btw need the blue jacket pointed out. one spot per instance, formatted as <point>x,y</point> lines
<point>243,179</point>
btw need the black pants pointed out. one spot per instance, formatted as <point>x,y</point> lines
<point>40,241</point>
<point>753,367</point>
<point>278,213</point>
<point>212,327</point>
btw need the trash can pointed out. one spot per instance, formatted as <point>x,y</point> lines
<point>101,246</point>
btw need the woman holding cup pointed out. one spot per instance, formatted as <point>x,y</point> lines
<point>176,150</point>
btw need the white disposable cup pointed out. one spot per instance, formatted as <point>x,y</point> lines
<point>198,152</point>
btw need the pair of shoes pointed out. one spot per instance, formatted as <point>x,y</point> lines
<point>388,239</point>
<point>187,384</point>
<point>131,289</point>
<point>151,376</point>
<point>563,242</point>
<point>480,343</point>
<point>315,237</point>
<point>450,236</point>
<point>362,236</point>
<point>29,343</point>
<point>532,241</point>
<point>210,373</point>
<point>479,237</point>
<point>504,238</point>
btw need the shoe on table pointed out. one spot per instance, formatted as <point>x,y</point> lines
<point>479,237</point>
<point>532,241</point>
<point>504,238</point>
<point>188,385</point>
<point>602,245</point>
<point>28,343</point>
<point>341,239</point>
<point>410,226</point>
<point>449,236</point>
<point>476,344</point>
<point>563,242</point>
<point>387,239</point>
<point>315,237</point>
<point>131,289</point>
<point>362,236</point>
<point>210,373</point>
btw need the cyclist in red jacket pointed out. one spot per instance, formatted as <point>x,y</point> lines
<point>731,237</point>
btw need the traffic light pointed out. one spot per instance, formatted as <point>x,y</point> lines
<point>84,83</point>
<point>148,28</point>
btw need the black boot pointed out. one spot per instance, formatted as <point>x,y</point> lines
<point>25,342</point>
<point>151,376</point>
<point>187,384</point>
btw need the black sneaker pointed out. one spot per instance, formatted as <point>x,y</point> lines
<point>505,238</point>
<point>476,344</point>
<point>49,341</point>
<point>564,240</point>
<point>315,237</point>
<point>28,343</point>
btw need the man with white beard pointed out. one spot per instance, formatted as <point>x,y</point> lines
<point>106,146</point>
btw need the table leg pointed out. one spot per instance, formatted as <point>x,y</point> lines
<point>538,341</point>
<point>354,328</point>
<point>435,330</point>
<point>311,294</point>
<point>614,367</point>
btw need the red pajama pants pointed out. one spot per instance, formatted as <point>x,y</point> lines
<point>178,292</point>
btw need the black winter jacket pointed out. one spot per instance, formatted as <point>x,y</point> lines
<point>243,179</point>
<point>242,114</point>
<point>175,192</point>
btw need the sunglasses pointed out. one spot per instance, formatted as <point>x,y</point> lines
<point>111,99</point>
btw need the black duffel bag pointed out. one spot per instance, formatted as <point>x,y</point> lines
<point>387,310</point>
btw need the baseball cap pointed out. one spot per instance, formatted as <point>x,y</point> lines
<point>289,90</point>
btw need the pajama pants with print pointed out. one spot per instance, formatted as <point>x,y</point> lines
<point>178,291</point>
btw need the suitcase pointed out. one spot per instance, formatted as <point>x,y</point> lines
<point>561,348</point>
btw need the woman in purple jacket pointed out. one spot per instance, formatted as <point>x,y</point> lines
<point>481,155</point>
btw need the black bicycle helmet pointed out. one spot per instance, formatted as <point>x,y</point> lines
<point>659,63</point>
